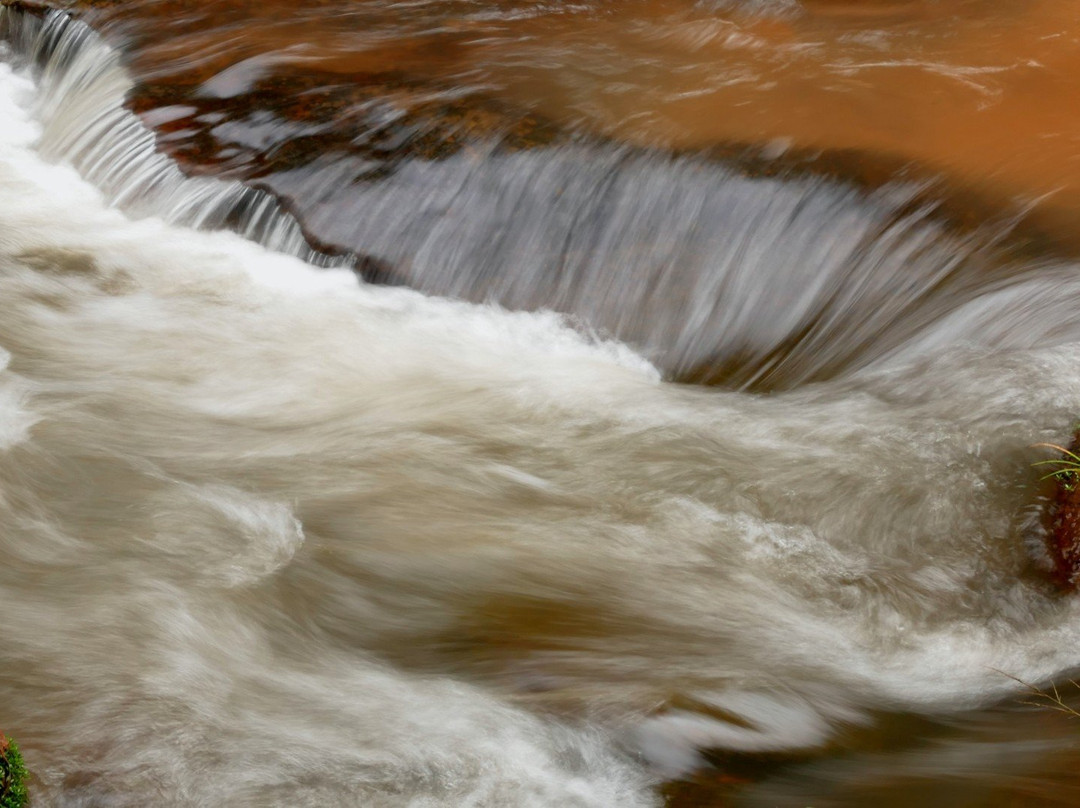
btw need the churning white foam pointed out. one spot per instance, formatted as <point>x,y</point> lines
<point>141,665</point>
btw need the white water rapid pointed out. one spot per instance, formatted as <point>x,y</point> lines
<point>271,537</point>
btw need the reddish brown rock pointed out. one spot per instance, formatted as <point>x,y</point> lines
<point>1064,516</point>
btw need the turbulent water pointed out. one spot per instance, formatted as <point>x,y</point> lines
<point>271,536</point>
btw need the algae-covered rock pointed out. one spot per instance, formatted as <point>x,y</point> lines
<point>12,775</point>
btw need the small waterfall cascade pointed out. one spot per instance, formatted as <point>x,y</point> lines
<point>82,84</point>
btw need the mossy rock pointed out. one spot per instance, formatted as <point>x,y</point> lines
<point>12,775</point>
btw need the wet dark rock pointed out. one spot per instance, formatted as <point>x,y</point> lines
<point>711,789</point>
<point>285,121</point>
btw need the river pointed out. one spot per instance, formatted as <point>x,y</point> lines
<point>505,403</point>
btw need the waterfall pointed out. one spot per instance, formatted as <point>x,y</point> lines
<point>81,85</point>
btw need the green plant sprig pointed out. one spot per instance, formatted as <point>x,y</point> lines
<point>1068,472</point>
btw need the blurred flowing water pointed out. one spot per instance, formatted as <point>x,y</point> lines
<point>273,535</point>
